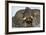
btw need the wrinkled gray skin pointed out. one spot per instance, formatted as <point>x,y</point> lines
<point>17,20</point>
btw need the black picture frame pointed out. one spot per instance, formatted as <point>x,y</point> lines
<point>7,15</point>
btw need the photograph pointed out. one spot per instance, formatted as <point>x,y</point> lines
<point>24,17</point>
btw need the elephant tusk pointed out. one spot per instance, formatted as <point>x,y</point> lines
<point>32,17</point>
<point>24,18</point>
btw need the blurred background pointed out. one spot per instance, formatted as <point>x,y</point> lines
<point>2,17</point>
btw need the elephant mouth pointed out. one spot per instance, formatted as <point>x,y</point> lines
<point>28,20</point>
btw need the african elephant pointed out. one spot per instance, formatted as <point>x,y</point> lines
<point>26,18</point>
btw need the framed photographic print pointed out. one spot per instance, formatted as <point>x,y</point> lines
<point>24,17</point>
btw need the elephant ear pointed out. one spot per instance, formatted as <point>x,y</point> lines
<point>36,19</point>
<point>17,19</point>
